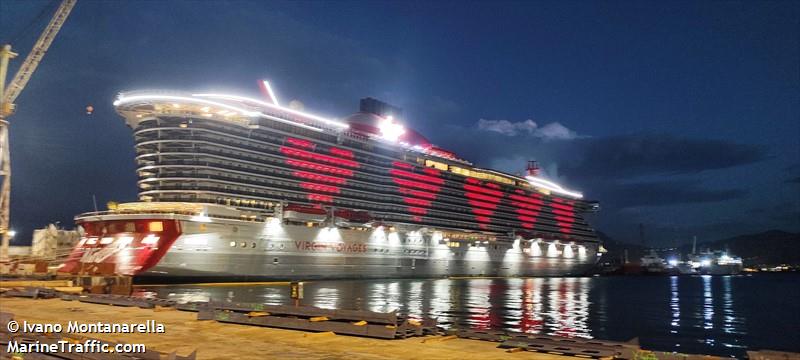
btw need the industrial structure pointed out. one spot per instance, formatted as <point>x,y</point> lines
<point>8,94</point>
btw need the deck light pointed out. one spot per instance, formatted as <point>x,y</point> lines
<point>203,218</point>
<point>568,252</point>
<point>672,262</point>
<point>391,130</point>
<point>549,185</point>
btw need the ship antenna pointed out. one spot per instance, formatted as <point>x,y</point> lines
<point>533,168</point>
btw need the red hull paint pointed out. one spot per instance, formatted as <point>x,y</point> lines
<point>135,246</point>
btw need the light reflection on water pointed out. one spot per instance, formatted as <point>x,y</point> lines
<point>697,314</point>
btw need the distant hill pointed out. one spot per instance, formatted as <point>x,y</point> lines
<point>616,249</point>
<point>771,247</point>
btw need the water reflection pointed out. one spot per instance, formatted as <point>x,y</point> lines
<point>674,304</point>
<point>700,314</point>
<point>554,306</point>
<point>708,303</point>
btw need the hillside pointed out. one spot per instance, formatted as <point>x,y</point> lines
<point>771,247</point>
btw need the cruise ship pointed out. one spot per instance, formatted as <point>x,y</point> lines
<point>239,188</point>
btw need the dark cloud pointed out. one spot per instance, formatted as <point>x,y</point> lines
<point>666,193</point>
<point>659,154</point>
<point>601,158</point>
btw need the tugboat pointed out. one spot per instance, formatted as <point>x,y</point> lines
<point>652,264</point>
<point>715,263</point>
<point>678,267</point>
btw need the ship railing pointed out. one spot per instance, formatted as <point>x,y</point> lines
<point>166,212</point>
<point>266,112</point>
<point>140,92</point>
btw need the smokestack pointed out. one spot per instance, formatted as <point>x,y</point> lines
<point>380,108</point>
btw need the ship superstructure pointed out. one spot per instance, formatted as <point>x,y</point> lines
<point>238,187</point>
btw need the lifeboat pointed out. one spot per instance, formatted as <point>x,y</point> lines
<point>305,213</point>
<point>345,217</point>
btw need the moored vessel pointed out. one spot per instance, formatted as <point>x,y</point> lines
<point>239,188</point>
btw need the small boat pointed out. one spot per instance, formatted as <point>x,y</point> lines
<point>653,264</point>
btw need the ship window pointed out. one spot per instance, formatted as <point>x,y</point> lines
<point>436,164</point>
<point>130,227</point>
<point>275,261</point>
<point>253,245</point>
<point>155,226</point>
<point>243,244</point>
<point>233,243</point>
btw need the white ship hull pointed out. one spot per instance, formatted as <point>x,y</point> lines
<point>277,251</point>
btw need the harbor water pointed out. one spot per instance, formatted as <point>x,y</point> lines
<point>719,315</point>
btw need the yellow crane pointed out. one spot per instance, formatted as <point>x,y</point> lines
<point>7,96</point>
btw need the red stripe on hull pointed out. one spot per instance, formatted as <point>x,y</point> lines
<point>121,247</point>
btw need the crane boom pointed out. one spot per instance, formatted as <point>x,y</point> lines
<point>8,94</point>
<point>28,66</point>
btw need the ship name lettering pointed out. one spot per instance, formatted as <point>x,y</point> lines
<point>337,247</point>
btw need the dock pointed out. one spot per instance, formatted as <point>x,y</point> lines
<point>217,340</point>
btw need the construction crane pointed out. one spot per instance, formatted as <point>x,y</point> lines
<point>7,96</point>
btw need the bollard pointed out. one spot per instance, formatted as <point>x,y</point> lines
<point>296,291</point>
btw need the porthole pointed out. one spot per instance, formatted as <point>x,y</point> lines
<point>282,246</point>
<point>253,245</point>
<point>233,243</point>
<point>243,244</point>
<point>275,261</point>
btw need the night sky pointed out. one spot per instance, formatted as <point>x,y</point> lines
<point>682,116</point>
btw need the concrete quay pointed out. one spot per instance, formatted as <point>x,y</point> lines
<point>214,340</point>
